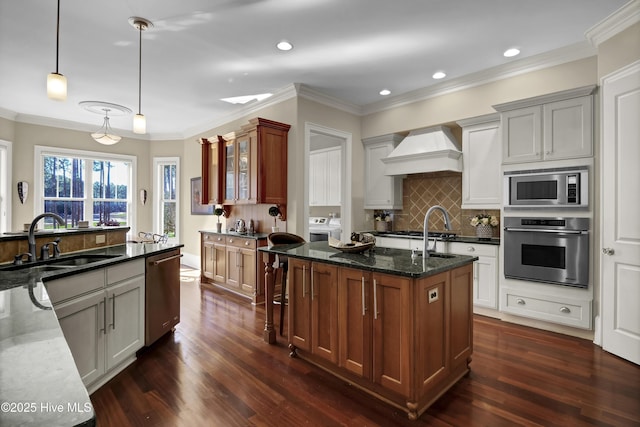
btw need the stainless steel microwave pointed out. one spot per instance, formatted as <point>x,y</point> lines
<point>547,188</point>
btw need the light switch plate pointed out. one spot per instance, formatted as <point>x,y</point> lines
<point>100,238</point>
<point>433,295</point>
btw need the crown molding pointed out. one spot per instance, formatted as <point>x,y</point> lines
<point>552,58</point>
<point>618,21</point>
<point>8,114</point>
<point>306,92</point>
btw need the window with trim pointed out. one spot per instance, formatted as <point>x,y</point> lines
<point>166,196</point>
<point>85,186</point>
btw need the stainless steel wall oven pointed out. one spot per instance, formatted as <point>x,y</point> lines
<point>550,250</point>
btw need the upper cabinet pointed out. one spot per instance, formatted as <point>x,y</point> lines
<point>325,172</point>
<point>381,191</point>
<point>481,174</point>
<point>549,127</point>
<point>211,169</point>
<point>250,164</point>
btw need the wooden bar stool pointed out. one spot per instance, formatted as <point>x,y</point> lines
<point>283,238</point>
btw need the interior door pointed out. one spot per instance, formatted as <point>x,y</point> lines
<point>620,258</point>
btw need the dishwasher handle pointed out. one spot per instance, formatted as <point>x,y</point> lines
<point>160,261</point>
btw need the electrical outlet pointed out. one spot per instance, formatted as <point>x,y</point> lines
<point>100,238</point>
<point>433,295</point>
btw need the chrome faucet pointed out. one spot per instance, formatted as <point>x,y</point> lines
<point>32,239</point>
<point>447,226</point>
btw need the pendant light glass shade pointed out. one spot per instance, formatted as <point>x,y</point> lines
<point>57,87</point>
<point>56,82</point>
<point>139,120</point>
<point>105,134</point>
<point>139,124</point>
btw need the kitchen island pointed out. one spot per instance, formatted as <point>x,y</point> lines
<point>392,324</point>
<point>39,380</point>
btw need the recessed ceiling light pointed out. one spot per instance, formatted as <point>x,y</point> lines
<point>385,92</point>
<point>246,98</point>
<point>439,75</point>
<point>511,52</point>
<point>284,45</point>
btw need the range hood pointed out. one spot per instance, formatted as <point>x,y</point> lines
<point>431,149</point>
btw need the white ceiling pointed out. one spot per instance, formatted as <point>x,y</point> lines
<point>202,50</point>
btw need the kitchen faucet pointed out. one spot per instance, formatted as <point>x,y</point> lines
<point>32,238</point>
<point>447,226</point>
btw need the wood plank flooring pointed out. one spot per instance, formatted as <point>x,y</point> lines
<point>215,370</point>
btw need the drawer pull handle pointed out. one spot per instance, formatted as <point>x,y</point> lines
<point>246,243</point>
<point>565,310</point>
<point>230,240</point>
<point>520,301</point>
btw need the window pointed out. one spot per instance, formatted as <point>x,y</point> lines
<point>85,186</point>
<point>5,185</point>
<point>166,196</point>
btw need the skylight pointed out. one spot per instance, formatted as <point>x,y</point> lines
<point>246,98</point>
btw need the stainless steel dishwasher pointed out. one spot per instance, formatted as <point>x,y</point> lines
<point>162,294</point>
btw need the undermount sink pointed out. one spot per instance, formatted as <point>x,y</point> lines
<point>440,255</point>
<point>54,264</point>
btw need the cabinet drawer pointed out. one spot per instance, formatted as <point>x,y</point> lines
<point>240,242</point>
<point>215,238</point>
<point>475,249</point>
<point>125,270</point>
<point>575,313</point>
<point>73,286</point>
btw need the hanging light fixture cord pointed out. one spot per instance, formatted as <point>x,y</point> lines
<point>57,37</point>
<point>139,69</point>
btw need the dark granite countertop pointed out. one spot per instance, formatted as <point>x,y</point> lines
<point>39,381</point>
<point>255,236</point>
<point>383,260</point>
<point>462,239</point>
<point>20,235</point>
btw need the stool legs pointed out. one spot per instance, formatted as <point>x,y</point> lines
<point>283,292</point>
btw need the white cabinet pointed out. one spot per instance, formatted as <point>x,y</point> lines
<point>481,160</point>
<point>381,191</point>
<point>485,271</point>
<point>549,127</point>
<point>101,313</point>
<point>325,172</point>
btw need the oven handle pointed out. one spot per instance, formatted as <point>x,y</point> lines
<point>546,230</point>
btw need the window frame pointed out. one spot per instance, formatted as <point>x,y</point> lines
<point>6,158</point>
<point>40,151</point>
<point>158,199</point>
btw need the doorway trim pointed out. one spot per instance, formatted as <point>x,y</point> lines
<point>347,148</point>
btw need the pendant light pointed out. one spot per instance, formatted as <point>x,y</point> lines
<point>56,82</point>
<point>139,121</point>
<point>105,134</point>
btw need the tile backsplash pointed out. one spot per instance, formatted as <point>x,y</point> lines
<point>421,191</point>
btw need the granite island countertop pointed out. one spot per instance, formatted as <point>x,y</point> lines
<point>39,381</point>
<point>254,236</point>
<point>384,260</point>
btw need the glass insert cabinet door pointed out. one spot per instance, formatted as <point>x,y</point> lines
<point>230,182</point>
<point>243,169</point>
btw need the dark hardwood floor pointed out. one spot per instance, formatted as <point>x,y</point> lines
<point>215,370</point>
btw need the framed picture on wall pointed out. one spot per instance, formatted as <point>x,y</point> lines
<point>197,208</point>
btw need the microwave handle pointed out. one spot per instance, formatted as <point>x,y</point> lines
<point>546,230</point>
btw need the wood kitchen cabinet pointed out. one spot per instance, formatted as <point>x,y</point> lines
<point>211,154</point>
<point>403,340</point>
<point>105,327</point>
<point>253,164</point>
<point>232,263</point>
<point>549,127</point>
<point>381,191</point>
<point>313,305</point>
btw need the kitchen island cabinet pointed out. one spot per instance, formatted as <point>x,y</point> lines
<point>392,325</point>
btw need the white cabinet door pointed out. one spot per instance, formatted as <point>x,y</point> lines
<point>522,135</point>
<point>620,259</point>
<point>317,179</point>
<point>481,158</point>
<point>83,323</point>
<point>485,271</point>
<point>568,132</point>
<point>334,177</point>
<point>380,191</point>
<point>125,320</point>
